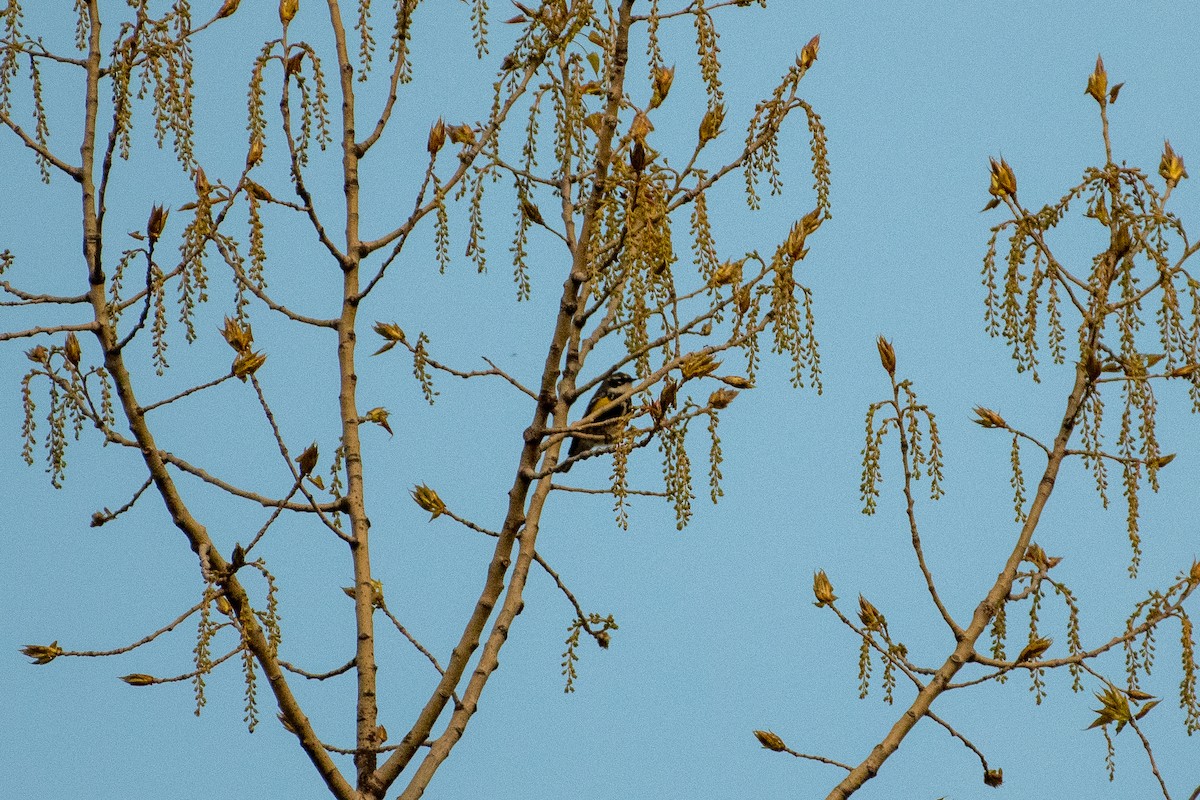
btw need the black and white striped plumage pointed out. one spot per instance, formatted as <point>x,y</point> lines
<point>609,418</point>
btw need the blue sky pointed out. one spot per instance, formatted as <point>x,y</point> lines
<point>718,633</point>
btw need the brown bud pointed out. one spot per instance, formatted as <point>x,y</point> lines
<point>872,619</point>
<point>428,499</point>
<point>721,398</point>
<point>227,8</point>
<point>637,157</point>
<point>1097,84</point>
<point>288,726</point>
<point>770,740</point>
<point>437,136</point>
<point>1194,573</point>
<point>138,679</point>
<point>1186,371</point>
<point>287,10</point>
<point>1171,166</point>
<point>809,54</point>
<point>736,381</point>
<point>887,355</point>
<point>72,350</point>
<point>823,589</point>
<point>710,124</point>
<point>988,418</point>
<point>38,355</point>
<point>294,64</point>
<point>156,223</point>
<point>993,777</point>
<point>308,460</point>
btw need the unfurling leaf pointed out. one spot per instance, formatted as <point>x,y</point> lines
<point>42,653</point>
<point>1171,167</point>
<point>698,365</point>
<point>988,418</point>
<point>237,335</point>
<point>1003,180</point>
<point>721,398</point>
<point>379,415</point>
<point>391,334</point>
<point>246,364</point>
<point>428,499</point>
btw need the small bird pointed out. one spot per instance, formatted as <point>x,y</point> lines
<point>609,416</point>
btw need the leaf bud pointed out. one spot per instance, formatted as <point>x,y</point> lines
<point>287,10</point>
<point>698,365</point>
<point>72,350</point>
<point>138,679</point>
<point>437,136</point>
<point>237,335</point>
<point>1003,179</point>
<point>1171,167</point>
<point>428,499</point>
<point>823,589</point>
<point>42,653</point>
<point>721,398</point>
<point>1097,84</point>
<point>809,54</point>
<point>988,418</point>
<point>770,740</point>
<point>887,355</point>
<point>710,124</point>
<point>871,617</point>
<point>247,363</point>
<point>663,78</point>
<point>156,223</point>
